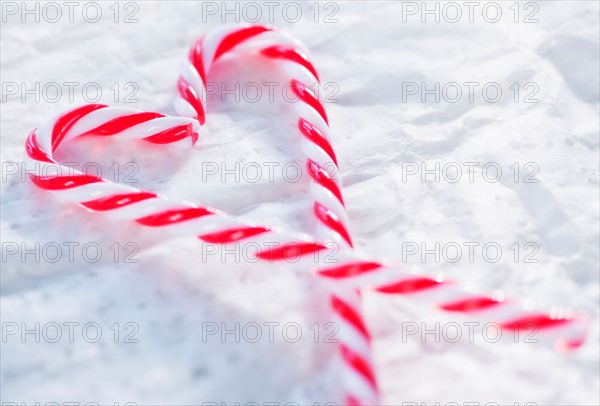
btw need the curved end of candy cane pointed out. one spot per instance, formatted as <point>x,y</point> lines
<point>102,120</point>
<point>292,54</point>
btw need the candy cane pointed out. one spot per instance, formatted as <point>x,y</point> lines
<point>210,225</point>
<point>329,204</point>
<point>330,213</point>
<point>151,210</point>
<point>358,374</point>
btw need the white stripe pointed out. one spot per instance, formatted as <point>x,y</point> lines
<point>184,108</point>
<point>97,118</point>
<point>211,42</point>
<point>268,39</point>
<point>91,191</point>
<point>301,73</point>
<point>348,335</point>
<point>308,113</point>
<point>44,133</point>
<point>153,127</point>
<point>317,154</point>
<point>202,225</point>
<point>358,386</point>
<point>330,201</point>
<point>144,208</point>
<point>48,169</point>
<point>192,76</point>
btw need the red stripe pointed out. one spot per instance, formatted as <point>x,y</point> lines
<point>116,201</point>
<point>195,57</point>
<point>34,150</point>
<point>67,120</point>
<point>189,94</point>
<point>307,96</point>
<point>236,234</point>
<point>331,220</point>
<point>539,321</point>
<point>359,364</point>
<point>323,178</point>
<point>237,37</point>
<point>569,345</point>
<point>352,401</point>
<point>174,134</point>
<point>350,315</point>
<point>63,182</point>
<point>173,216</point>
<point>349,270</point>
<point>290,251</point>
<point>118,124</point>
<point>409,286</point>
<point>470,305</point>
<point>291,54</point>
<point>313,134</point>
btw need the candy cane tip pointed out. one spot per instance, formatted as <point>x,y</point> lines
<point>566,346</point>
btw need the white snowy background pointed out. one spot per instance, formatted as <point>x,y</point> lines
<point>369,53</point>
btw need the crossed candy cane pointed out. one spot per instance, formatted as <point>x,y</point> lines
<point>358,375</point>
<point>350,272</point>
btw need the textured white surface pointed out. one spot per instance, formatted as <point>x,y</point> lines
<point>369,53</point>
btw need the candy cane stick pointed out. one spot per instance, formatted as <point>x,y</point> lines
<point>330,213</point>
<point>358,374</point>
<point>329,204</point>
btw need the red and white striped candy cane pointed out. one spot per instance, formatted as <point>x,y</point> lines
<point>329,205</point>
<point>152,210</point>
<point>358,374</point>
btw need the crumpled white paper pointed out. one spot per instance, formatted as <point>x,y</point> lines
<point>370,58</point>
